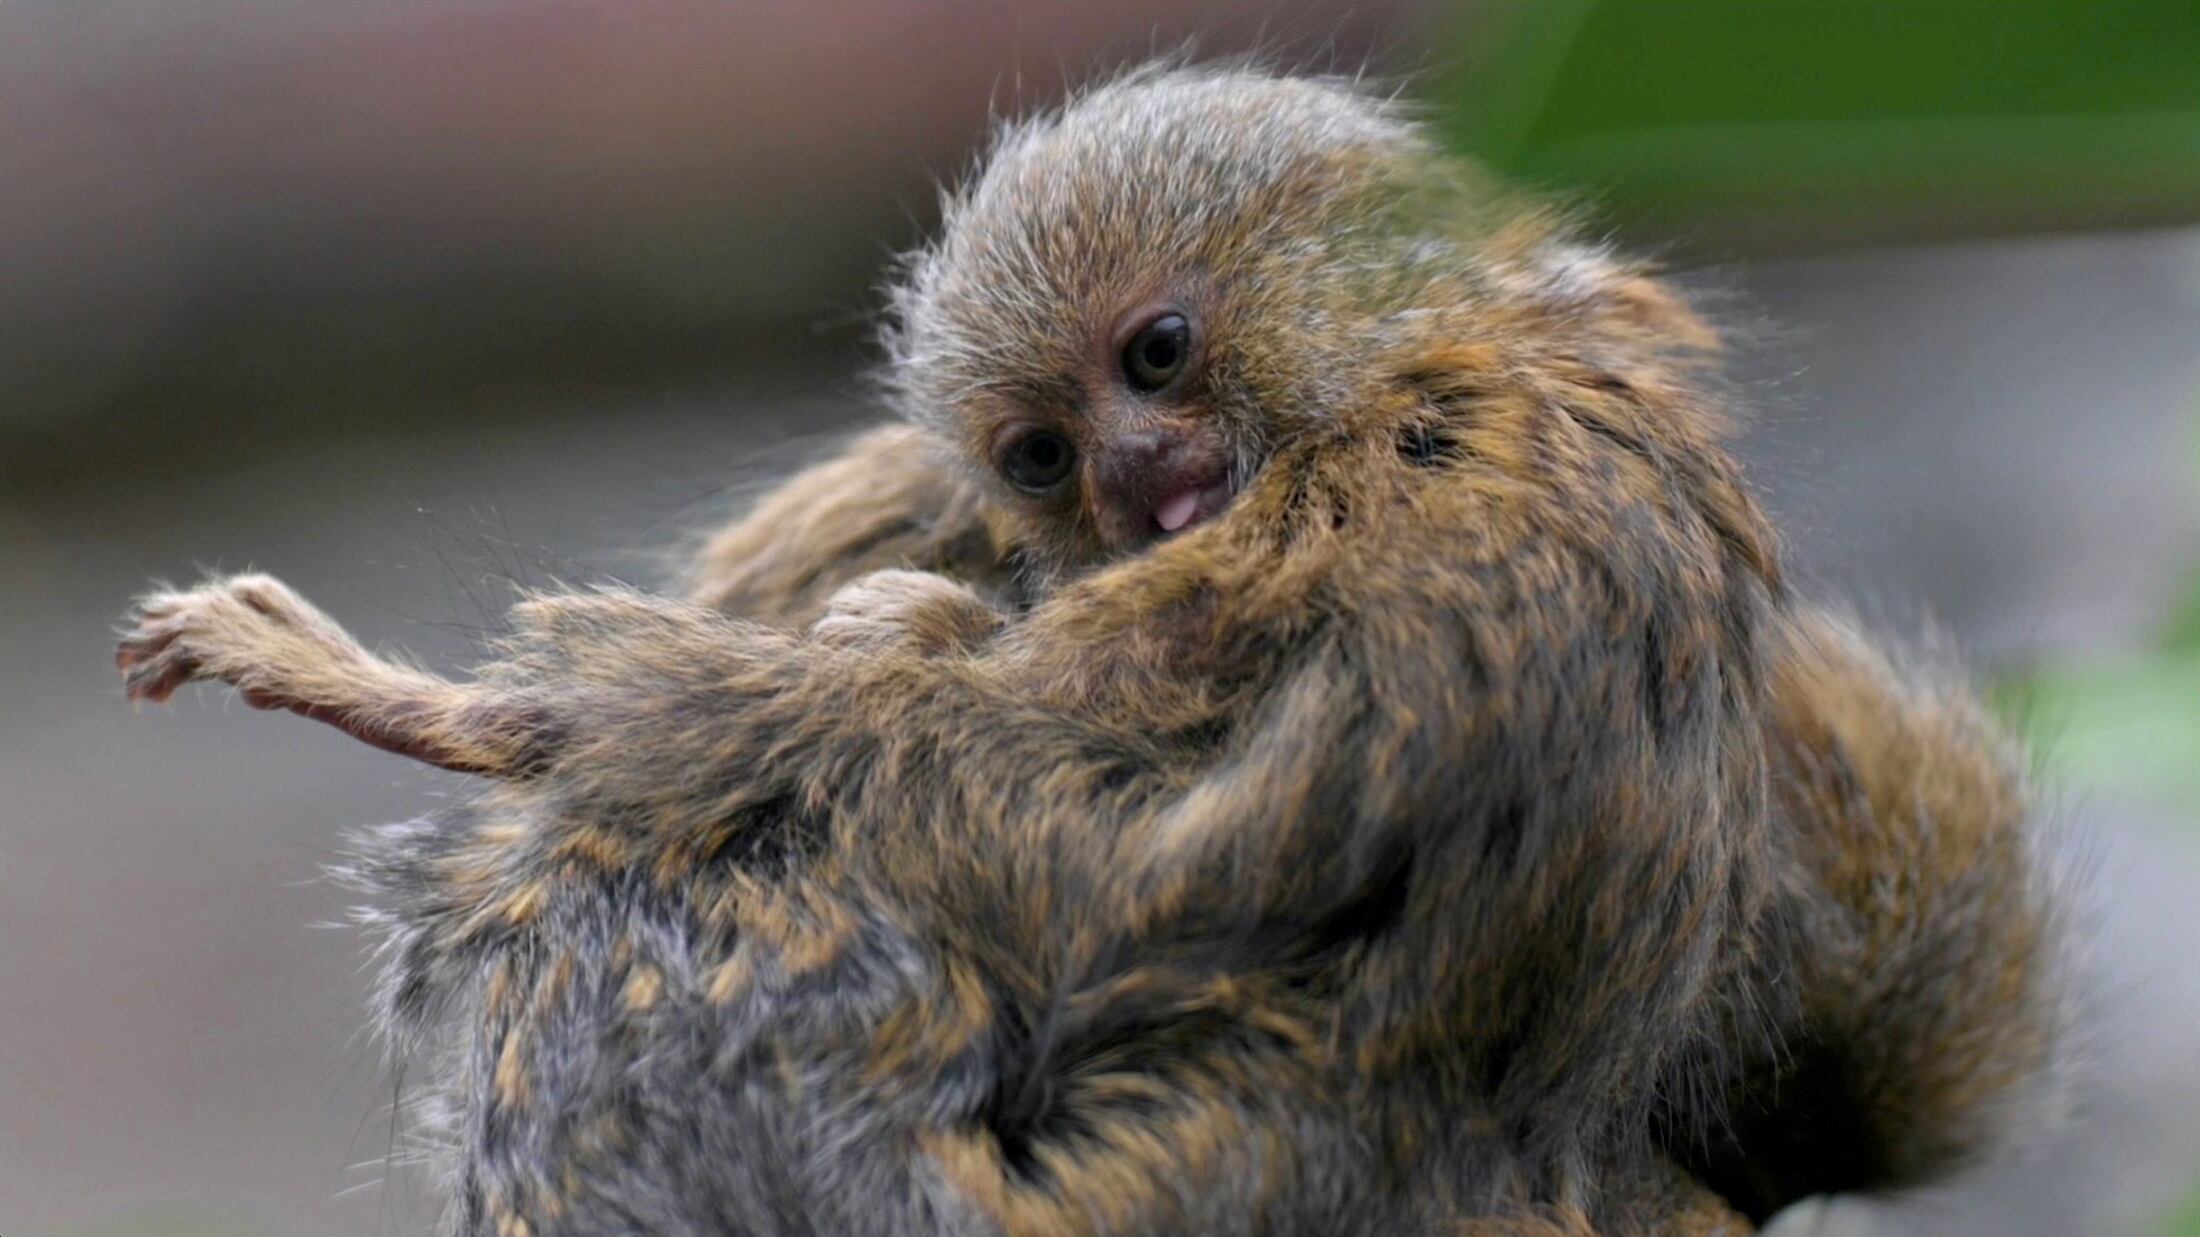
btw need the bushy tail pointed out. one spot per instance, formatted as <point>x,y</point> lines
<point>1922,943</point>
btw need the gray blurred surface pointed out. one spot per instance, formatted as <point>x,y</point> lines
<point>1998,433</point>
<point>2006,433</point>
<point>278,216</point>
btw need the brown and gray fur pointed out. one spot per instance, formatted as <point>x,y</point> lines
<point>1462,831</point>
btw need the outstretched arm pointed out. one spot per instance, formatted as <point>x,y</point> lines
<point>254,633</point>
<point>883,507</point>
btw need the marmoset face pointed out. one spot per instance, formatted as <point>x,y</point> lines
<point>1138,299</point>
<point>1137,453</point>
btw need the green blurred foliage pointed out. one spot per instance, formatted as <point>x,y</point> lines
<point>2130,722</point>
<point>2185,1221</point>
<point>1788,124</point>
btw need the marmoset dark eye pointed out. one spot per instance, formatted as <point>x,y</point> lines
<point>1038,461</point>
<point>1158,352</point>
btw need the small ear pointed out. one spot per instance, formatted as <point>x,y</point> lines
<point>1623,298</point>
<point>1656,308</point>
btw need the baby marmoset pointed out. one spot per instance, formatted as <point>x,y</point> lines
<point>1336,756</point>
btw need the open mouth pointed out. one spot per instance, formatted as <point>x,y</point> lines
<point>1189,506</point>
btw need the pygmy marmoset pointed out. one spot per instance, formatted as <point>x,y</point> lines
<point>1302,732</point>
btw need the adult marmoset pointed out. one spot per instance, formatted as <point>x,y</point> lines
<point>1328,750</point>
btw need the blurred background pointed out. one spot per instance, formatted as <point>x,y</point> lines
<point>408,302</point>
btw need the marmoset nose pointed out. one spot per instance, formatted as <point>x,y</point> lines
<point>1137,472</point>
<point>1136,466</point>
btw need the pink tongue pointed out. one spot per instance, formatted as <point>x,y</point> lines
<point>1176,511</point>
